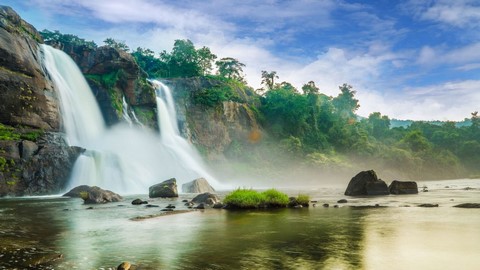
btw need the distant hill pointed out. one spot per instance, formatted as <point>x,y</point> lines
<point>406,123</point>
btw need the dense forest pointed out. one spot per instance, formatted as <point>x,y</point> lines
<point>310,127</point>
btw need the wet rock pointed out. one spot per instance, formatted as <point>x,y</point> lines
<point>171,206</point>
<point>152,205</point>
<point>428,205</point>
<point>139,202</point>
<point>167,209</point>
<point>124,266</point>
<point>298,206</point>
<point>93,195</point>
<point>28,149</point>
<point>166,189</point>
<point>185,201</point>
<point>218,205</point>
<point>206,198</point>
<point>366,183</point>
<point>199,185</point>
<point>403,187</point>
<point>189,204</point>
<point>468,205</point>
<point>335,206</point>
<point>200,206</point>
<point>342,201</point>
<point>326,205</point>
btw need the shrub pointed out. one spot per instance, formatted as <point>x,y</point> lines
<point>244,198</point>
<point>249,199</point>
<point>275,198</point>
<point>303,199</point>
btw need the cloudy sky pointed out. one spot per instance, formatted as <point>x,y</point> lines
<point>417,59</point>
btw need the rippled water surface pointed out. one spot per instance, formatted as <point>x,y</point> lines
<point>61,233</point>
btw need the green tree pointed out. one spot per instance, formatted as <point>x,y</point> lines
<point>416,141</point>
<point>268,79</point>
<point>345,103</point>
<point>152,65</point>
<point>380,124</point>
<point>120,45</point>
<point>205,60</point>
<point>230,68</point>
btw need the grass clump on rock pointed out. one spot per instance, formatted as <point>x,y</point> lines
<point>251,199</point>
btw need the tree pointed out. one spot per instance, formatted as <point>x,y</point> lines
<point>416,141</point>
<point>205,60</point>
<point>379,124</point>
<point>345,103</point>
<point>268,79</point>
<point>152,65</point>
<point>230,68</point>
<point>310,88</point>
<point>120,45</point>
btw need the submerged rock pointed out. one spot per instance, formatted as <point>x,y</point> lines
<point>166,189</point>
<point>93,195</point>
<point>428,205</point>
<point>468,205</point>
<point>403,187</point>
<point>342,201</point>
<point>366,183</point>
<point>206,198</point>
<point>199,185</point>
<point>138,202</point>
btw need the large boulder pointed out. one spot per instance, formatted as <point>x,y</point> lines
<point>93,194</point>
<point>403,187</point>
<point>165,189</point>
<point>366,183</point>
<point>199,185</point>
<point>206,198</point>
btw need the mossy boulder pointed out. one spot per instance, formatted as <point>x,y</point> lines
<point>165,189</point>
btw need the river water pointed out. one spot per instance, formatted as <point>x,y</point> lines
<point>61,233</point>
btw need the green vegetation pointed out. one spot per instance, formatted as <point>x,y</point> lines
<point>8,133</point>
<point>57,37</point>
<point>3,164</point>
<point>250,199</point>
<point>303,199</point>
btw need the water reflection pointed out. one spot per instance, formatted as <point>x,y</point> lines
<point>394,237</point>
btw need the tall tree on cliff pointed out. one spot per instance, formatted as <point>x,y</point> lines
<point>230,68</point>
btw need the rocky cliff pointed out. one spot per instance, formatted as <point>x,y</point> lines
<point>215,129</point>
<point>34,159</point>
<point>114,76</point>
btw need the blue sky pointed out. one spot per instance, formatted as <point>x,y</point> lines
<point>417,59</point>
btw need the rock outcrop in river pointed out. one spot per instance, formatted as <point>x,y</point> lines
<point>366,183</point>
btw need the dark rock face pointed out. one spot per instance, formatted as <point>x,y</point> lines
<point>36,168</point>
<point>93,195</point>
<point>199,185</point>
<point>216,129</point>
<point>366,183</point>
<point>129,81</point>
<point>27,96</point>
<point>206,198</point>
<point>403,187</point>
<point>165,189</point>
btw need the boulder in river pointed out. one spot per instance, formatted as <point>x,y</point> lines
<point>403,187</point>
<point>166,189</point>
<point>366,183</point>
<point>93,195</point>
<point>206,198</point>
<point>199,185</point>
<point>138,202</point>
<point>468,205</point>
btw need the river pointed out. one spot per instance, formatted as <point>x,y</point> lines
<point>64,234</point>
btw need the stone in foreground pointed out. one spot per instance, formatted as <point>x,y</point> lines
<point>166,189</point>
<point>403,187</point>
<point>199,185</point>
<point>93,195</point>
<point>366,183</point>
<point>206,198</point>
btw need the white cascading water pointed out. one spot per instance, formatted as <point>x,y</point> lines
<point>125,159</point>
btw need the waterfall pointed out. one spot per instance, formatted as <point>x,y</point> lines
<point>125,158</point>
<point>81,115</point>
